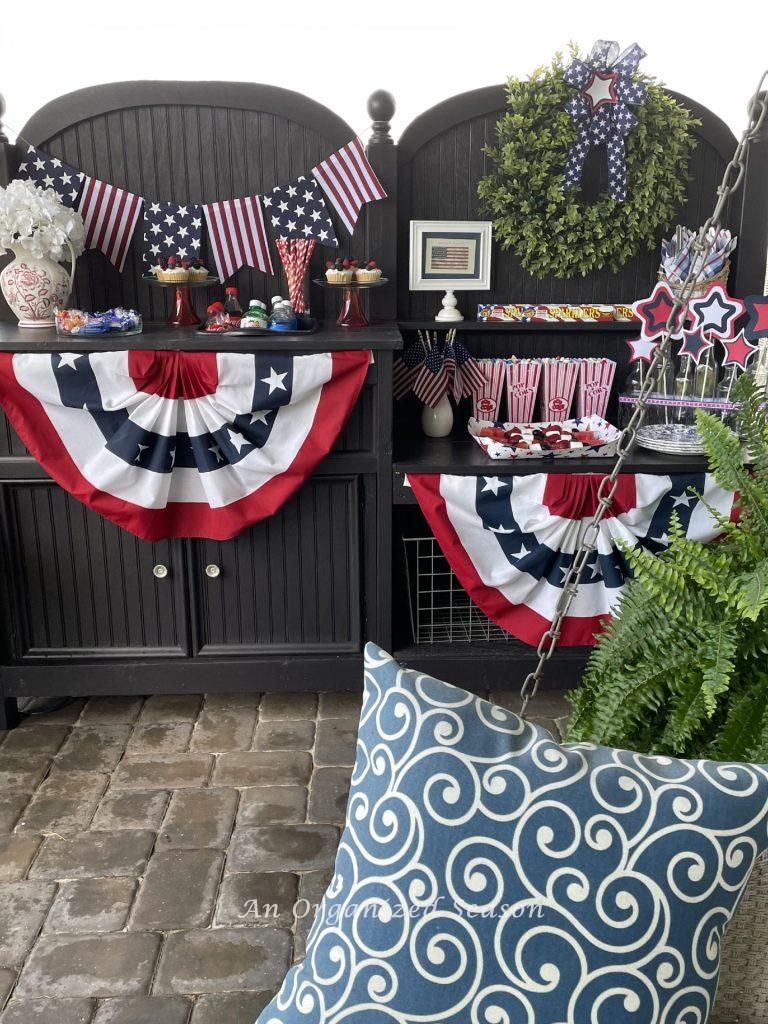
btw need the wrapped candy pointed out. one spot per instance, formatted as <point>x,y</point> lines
<point>112,321</point>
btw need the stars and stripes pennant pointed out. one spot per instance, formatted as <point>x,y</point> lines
<point>110,215</point>
<point>432,381</point>
<point>48,171</point>
<point>511,540</point>
<point>171,229</point>
<point>405,369</point>
<point>298,210</point>
<point>237,235</point>
<point>181,444</point>
<point>348,181</point>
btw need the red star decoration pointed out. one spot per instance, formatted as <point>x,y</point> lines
<point>600,90</point>
<point>738,351</point>
<point>695,344</point>
<point>654,312</point>
<point>641,349</point>
<point>757,307</point>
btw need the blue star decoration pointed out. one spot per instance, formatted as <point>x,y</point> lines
<point>716,312</point>
<point>695,344</point>
<point>654,312</point>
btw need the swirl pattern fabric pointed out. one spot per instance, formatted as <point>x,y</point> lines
<point>488,875</point>
<point>181,444</point>
<point>511,539</point>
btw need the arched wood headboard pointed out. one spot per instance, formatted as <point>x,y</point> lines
<point>441,160</point>
<point>192,142</point>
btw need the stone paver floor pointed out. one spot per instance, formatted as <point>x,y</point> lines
<point>155,853</point>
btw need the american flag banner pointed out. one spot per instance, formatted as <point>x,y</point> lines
<point>298,210</point>
<point>171,229</point>
<point>110,215</point>
<point>405,369</point>
<point>48,171</point>
<point>348,180</point>
<point>237,236</point>
<point>432,381</point>
<point>510,540</point>
<point>181,444</point>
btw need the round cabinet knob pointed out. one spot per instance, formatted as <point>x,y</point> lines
<point>160,571</point>
<point>212,571</point>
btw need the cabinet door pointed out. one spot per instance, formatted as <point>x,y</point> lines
<point>291,583</point>
<point>84,586</point>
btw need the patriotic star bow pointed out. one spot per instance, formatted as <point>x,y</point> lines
<point>601,110</point>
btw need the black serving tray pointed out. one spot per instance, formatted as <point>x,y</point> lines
<point>307,325</point>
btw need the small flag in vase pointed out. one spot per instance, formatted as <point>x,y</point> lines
<point>432,382</point>
<point>404,370</point>
<point>237,235</point>
<point>298,210</point>
<point>48,171</point>
<point>349,181</point>
<point>172,230</point>
<point>468,372</point>
<point>109,215</point>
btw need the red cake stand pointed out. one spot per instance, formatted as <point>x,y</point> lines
<point>351,314</point>
<point>182,312</point>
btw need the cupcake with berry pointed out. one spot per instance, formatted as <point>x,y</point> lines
<point>339,272</point>
<point>197,272</point>
<point>173,271</point>
<point>367,272</point>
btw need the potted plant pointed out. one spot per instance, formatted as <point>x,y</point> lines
<point>40,231</point>
<point>683,666</point>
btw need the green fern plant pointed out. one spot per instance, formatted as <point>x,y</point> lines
<point>682,668</point>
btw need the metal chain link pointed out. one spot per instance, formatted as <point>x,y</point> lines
<point>732,177</point>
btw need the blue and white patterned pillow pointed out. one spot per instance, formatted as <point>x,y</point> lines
<point>488,875</point>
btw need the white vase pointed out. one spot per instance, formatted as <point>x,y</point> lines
<point>437,422</point>
<point>34,288</point>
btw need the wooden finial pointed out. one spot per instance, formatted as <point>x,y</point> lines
<point>381,108</point>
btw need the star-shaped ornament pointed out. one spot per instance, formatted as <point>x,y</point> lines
<point>600,90</point>
<point>716,312</point>
<point>738,350</point>
<point>695,344</point>
<point>654,311</point>
<point>641,348</point>
<point>757,307</point>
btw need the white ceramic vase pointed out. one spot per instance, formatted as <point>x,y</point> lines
<point>438,422</point>
<point>34,288</point>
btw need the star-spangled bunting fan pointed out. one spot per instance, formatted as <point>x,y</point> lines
<point>509,539</point>
<point>601,110</point>
<point>237,236</point>
<point>172,229</point>
<point>48,171</point>
<point>349,181</point>
<point>181,444</point>
<point>110,215</point>
<point>298,210</point>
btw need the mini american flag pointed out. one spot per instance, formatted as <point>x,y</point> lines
<point>404,370</point>
<point>432,382</point>
<point>298,210</point>
<point>349,181</point>
<point>237,235</point>
<point>110,215</point>
<point>171,229</point>
<point>468,371</point>
<point>48,171</point>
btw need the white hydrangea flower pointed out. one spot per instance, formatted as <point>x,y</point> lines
<point>35,222</point>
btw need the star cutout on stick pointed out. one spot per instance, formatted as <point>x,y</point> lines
<point>738,350</point>
<point>716,312</point>
<point>654,311</point>
<point>757,307</point>
<point>641,348</point>
<point>695,344</point>
<point>600,90</point>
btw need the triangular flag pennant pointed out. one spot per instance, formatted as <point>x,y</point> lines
<point>237,235</point>
<point>110,215</point>
<point>348,180</point>
<point>48,171</point>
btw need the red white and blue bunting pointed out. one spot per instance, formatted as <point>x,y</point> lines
<point>180,444</point>
<point>511,539</point>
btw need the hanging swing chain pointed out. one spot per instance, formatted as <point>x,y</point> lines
<point>734,172</point>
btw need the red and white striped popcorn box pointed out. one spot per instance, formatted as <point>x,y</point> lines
<point>486,404</point>
<point>595,381</point>
<point>558,385</point>
<point>523,377</point>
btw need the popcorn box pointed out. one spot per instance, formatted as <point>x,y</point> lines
<point>595,382</point>
<point>486,403</point>
<point>558,385</point>
<point>523,377</point>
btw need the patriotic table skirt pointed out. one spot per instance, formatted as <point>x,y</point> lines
<point>511,539</point>
<point>180,444</point>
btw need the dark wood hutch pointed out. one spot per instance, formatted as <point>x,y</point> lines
<point>296,596</point>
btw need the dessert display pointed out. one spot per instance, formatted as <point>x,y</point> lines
<point>588,436</point>
<point>112,321</point>
<point>367,272</point>
<point>591,313</point>
<point>197,272</point>
<point>172,270</point>
<point>339,271</point>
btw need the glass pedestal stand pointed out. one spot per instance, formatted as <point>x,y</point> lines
<point>182,312</point>
<point>351,314</point>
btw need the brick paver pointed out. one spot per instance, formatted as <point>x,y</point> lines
<point>161,858</point>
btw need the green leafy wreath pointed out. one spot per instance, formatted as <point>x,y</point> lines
<point>556,232</point>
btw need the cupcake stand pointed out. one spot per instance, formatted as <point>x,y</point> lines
<point>351,314</point>
<point>182,313</point>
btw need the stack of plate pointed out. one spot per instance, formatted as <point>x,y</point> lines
<point>671,439</point>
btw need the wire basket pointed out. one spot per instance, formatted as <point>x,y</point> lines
<point>442,612</point>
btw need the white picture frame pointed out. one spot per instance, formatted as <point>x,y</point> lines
<point>450,255</point>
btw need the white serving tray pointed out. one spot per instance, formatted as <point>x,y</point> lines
<point>607,433</point>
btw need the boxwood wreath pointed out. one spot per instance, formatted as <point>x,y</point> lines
<point>557,232</point>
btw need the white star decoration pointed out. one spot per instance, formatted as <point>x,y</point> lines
<point>237,439</point>
<point>68,359</point>
<point>492,483</point>
<point>275,380</point>
<point>259,417</point>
